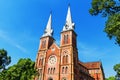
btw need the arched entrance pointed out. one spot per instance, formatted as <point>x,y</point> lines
<point>64,79</point>
<point>50,78</point>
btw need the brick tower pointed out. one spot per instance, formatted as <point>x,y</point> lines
<point>45,42</point>
<point>55,62</point>
<point>68,49</point>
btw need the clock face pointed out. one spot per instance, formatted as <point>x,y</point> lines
<point>52,60</point>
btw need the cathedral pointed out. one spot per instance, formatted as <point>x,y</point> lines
<point>60,62</point>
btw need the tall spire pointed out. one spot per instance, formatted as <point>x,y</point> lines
<point>69,25</point>
<point>48,31</point>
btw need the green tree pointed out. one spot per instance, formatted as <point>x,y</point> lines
<point>4,59</point>
<point>117,70</point>
<point>23,70</point>
<point>110,78</point>
<point>111,10</point>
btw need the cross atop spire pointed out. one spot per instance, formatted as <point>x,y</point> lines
<point>69,25</point>
<point>48,31</point>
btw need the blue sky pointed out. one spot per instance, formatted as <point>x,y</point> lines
<point>22,23</point>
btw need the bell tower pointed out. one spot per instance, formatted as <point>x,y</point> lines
<point>68,36</point>
<point>69,54</point>
<point>47,39</point>
<point>60,62</point>
<point>45,42</point>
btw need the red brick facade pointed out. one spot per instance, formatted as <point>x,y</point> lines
<point>55,62</point>
<point>61,62</point>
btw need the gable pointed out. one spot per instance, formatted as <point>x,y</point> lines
<point>53,50</point>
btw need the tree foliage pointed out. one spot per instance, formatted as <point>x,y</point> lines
<point>110,9</point>
<point>111,78</point>
<point>113,27</point>
<point>105,7</point>
<point>117,70</point>
<point>23,70</point>
<point>4,59</point>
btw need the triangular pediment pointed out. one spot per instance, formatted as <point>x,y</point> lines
<point>54,49</point>
<point>54,46</point>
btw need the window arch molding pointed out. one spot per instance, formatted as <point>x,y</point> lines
<point>65,57</point>
<point>65,38</point>
<point>43,43</point>
<point>64,69</point>
<point>41,59</point>
<point>65,52</point>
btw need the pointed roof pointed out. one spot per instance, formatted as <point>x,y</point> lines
<point>48,31</point>
<point>69,25</point>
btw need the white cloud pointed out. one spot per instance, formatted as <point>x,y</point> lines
<point>6,38</point>
<point>21,48</point>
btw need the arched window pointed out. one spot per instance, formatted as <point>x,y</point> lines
<point>63,60</point>
<point>62,69</point>
<point>66,70</point>
<point>53,70</point>
<point>39,62</point>
<point>65,39</point>
<point>66,58</point>
<point>48,70</point>
<point>40,74</point>
<point>43,43</point>
<point>40,71</point>
<point>64,79</point>
<point>42,61</point>
<point>50,78</point>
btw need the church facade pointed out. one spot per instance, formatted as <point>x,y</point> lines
<point>55,62</point>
